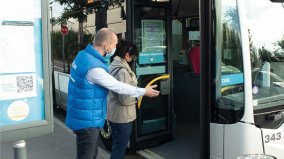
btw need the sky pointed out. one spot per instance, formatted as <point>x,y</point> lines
<point>56,8</point>
<point>265,20</point>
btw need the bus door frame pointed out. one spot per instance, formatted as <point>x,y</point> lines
<point>207,74</point>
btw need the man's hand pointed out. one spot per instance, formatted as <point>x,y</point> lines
<point>151,92</point>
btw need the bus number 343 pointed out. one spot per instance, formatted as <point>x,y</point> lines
<point>272,137</point>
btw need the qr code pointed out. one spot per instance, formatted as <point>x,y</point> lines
<point>24,83</point>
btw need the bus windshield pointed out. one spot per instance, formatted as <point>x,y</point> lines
<point>266,40</point>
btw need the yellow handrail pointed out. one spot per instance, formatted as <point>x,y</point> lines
<point>150,83</point>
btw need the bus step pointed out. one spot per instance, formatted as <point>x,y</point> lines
<point>148,154</point>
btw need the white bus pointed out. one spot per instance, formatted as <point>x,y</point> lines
<point>230,94</point>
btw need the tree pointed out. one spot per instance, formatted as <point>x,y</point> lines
<point>279,52</point>
<point>79,9</point>
<point>255,60</point>
<point>70,44</point>
<point>265,54</point>
<point>233,17</point>
<point>276,55</point>
<point>74,9</point>
<point>232,52</point>
<point>280,43</point>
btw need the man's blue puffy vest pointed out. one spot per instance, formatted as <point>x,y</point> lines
<point>86,105</point>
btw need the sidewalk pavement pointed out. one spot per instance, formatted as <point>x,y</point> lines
<point>58,145</point>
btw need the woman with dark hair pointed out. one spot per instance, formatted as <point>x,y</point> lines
<point>121,111</point>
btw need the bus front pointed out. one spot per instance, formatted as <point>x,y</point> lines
<point>266,41</point>
<point>247,119</point>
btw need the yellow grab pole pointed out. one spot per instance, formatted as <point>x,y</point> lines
<point>150,83</point>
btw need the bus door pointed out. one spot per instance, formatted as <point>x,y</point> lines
<point>150,29</point>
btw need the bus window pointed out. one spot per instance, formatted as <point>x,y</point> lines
<point>229,64</point>
<point>266,37</point>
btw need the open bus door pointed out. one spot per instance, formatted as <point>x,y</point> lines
<point>150,25</point>
<point>177,114</point>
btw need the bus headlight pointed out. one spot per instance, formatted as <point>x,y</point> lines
<point>257,156</point>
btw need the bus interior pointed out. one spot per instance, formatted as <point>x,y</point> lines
<point>183,64</point>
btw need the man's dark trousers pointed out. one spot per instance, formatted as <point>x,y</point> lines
<point>87,143</point>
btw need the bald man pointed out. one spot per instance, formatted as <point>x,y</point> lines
<point>88,87</point>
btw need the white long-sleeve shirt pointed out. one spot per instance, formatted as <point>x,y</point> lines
<point>100,77</point>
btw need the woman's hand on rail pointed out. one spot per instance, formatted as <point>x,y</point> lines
<point>151,92</point>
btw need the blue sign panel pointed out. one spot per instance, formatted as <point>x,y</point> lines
<point>21,63</point>
<point>151,57</point>
<point>232,79</point>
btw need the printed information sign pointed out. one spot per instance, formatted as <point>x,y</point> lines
<point>21,63</point>
<point>153,34</point>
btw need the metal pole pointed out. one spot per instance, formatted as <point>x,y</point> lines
<point>51,38</point>
<point>206,77</point>
<point>63,53</point>
<point>20,151</point>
